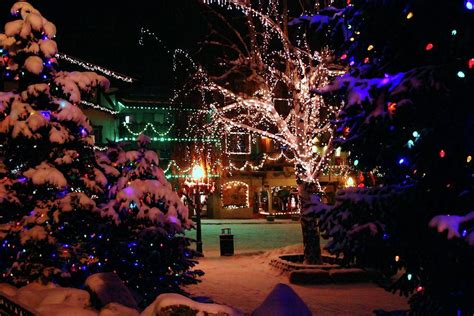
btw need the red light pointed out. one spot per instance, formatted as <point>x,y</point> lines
<point>429,46</point>
<point>361,185</point>
<point>344,56</point>
<point>366,60</point>
<point>471,63</point>
<point>442,153</point>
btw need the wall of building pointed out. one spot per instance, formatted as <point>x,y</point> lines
<point>107,123</point>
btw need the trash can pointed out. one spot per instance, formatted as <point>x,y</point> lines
<point>226,242</point>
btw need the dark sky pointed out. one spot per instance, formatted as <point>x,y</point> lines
<point>107,32</point>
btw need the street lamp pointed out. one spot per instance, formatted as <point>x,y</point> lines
<point>197,175</point>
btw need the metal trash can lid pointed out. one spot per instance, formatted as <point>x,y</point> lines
<point>225,231</point>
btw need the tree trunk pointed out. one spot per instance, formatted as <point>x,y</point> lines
<point>309,223</point>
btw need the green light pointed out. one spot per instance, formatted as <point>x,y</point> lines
<point>454,32</point>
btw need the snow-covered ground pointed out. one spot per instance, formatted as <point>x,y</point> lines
<point>244,281</point>
<point>250,236</point>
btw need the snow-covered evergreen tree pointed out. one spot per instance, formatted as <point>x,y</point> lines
<point>149,251</point>
<point>409,120</point>
<point>49,223</point>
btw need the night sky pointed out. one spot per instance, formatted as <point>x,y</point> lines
<point>106,33</point>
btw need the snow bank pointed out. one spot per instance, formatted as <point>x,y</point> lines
<point>7,289</point>
<point>62,310</point>
<point>168,300</point>
<point>282,300</point>
<point>114,309</point>
<point>110,289</point>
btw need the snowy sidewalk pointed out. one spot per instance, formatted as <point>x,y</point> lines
<point>244,282</point>
<point>250,236</point>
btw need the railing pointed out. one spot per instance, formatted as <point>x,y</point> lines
<point>10,308</point>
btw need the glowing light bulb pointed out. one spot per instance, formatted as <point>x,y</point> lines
<point>350,182</point>
<point>442,153</point>
<point>370,47</point>
<point>397,258</point>
<point>469,5</point>
<point>401,161</point>
<point>197,172</point>
<point>416,134</point>
<point>469,158</point>
<point>409,15</point>
<point>429,46</point>
<point>461,74</point>
<point>454,32</point>
<point>409,276</point>
<point>356,162</point>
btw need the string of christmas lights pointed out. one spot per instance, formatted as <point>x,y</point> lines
<point>148,125</point>
<point>100,108</point>
<point>93,67</point>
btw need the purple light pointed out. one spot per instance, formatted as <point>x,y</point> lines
<point>7,74</point>
<point>83,132</point>
<point>45,77</point>
<point>128,191</point>
<point>22,179</point>
<point>464,233</point>
<point>46,114</point>
<point>45,37</point>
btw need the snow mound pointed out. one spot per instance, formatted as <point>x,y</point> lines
<point>62,310</point>
<point>35,295</point>
<point>167,301</point>
<point>281,301</point>
<point>114,309</point>
<point>110,289</point>
<point>7,289</point>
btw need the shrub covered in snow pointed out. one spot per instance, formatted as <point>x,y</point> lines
<point>49,222</point>
<point>150,252</point>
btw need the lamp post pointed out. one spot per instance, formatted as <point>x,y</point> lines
<point>197,175</point>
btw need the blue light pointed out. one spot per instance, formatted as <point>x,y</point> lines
<point>410,144</point>
<point>401,161</point>
<point>461,74</point>
<point>469,5</point>
<point>385,236</point>
<point>464,233</point>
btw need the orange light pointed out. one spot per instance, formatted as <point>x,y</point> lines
<point>392,107</point>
